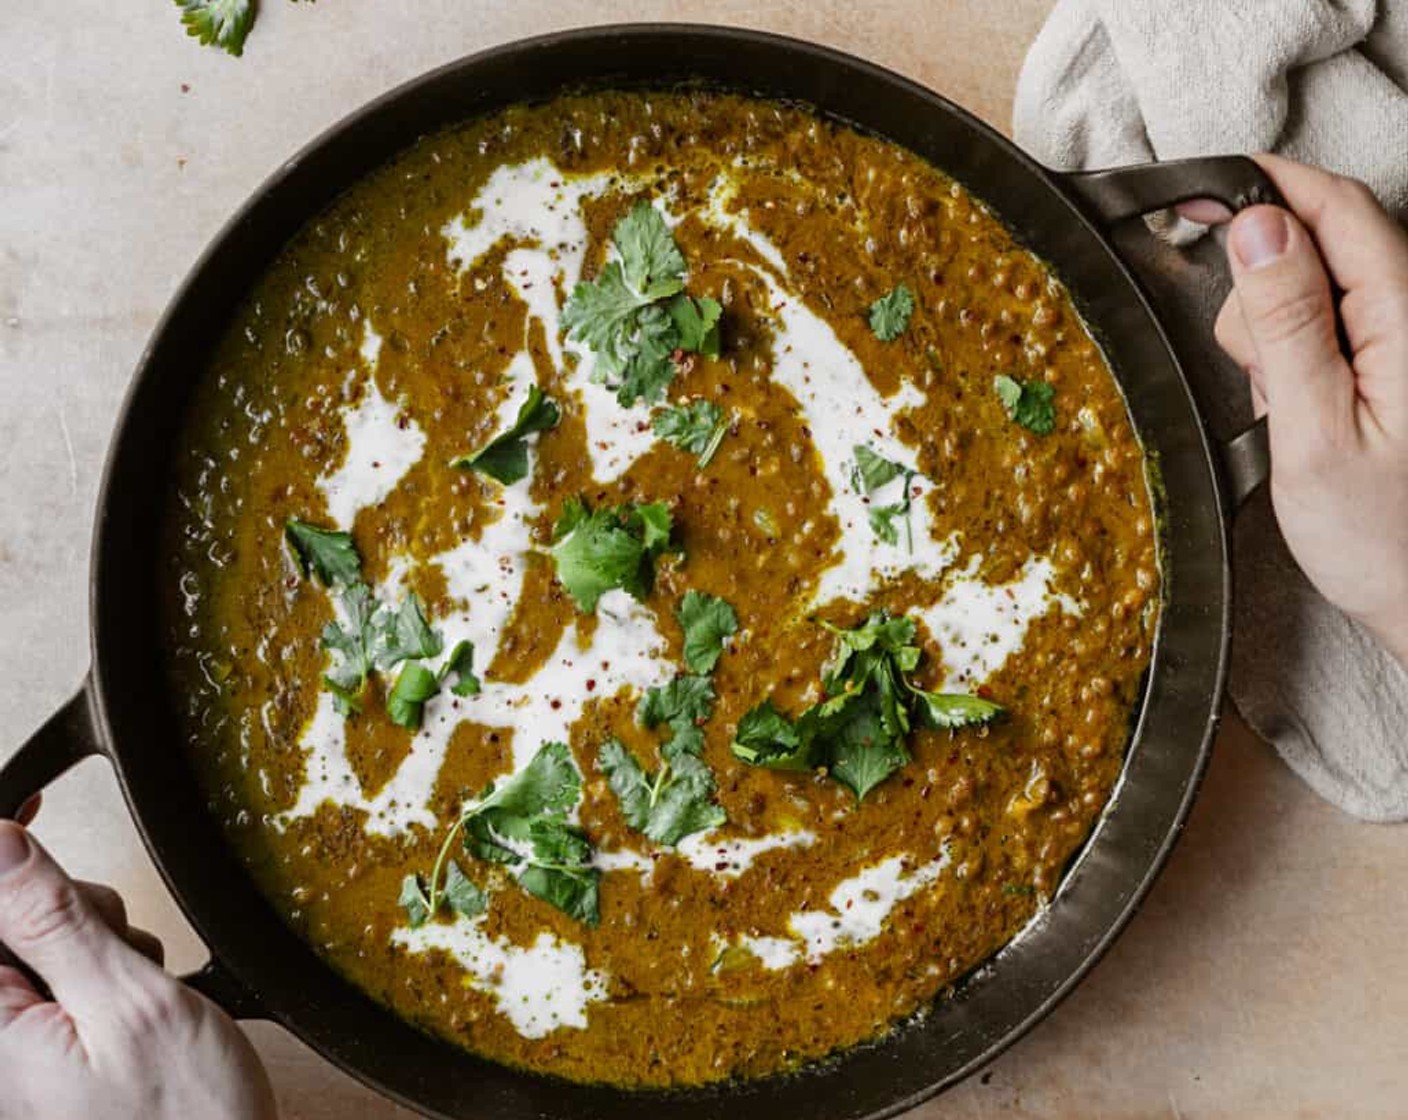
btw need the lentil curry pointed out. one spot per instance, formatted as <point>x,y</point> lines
<point>660,586</point>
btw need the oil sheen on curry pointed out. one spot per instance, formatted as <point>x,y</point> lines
<point>660,586</point>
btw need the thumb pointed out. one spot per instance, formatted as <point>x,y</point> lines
<point>1285,298</point>
<point>46,921</point>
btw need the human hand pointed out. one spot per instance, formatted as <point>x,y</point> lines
<point>121,1039</point>
<point>1338,423</point>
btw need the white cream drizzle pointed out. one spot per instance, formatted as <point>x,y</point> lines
<point>979,625</point>
<point>730,857</point>
<point>861,905</point>
<point>537,210</point>
<point>381,448</point>
<point>540,989</point>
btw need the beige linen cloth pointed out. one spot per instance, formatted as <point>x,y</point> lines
<point>1111,82</point>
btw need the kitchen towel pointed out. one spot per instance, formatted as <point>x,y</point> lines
<point>1111,82</point>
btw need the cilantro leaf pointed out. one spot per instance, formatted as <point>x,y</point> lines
<point>463,896</point>
<point>548,784</point>
<point>864,750</point>
<point>326,553</point>
<point>1029,403</point>
<point>601,314</point>
<point>697,427</point>
<point>860,730</point>
<point>415,684</point>
<point>889,315</point>
<point>765,737</point>
<point>505,457</point>
<point>609,548</point>
<point>627,781</point>
<point>650,367</point>
<point>685,699</point>
<point>521,825</point>
<point>622,315</point>
<point>882,521</point>
<point>221,23</point>
<point>697,321</point>
<point>415,900</point>
<point>707,621</point>
<point>653,264</point>
<point>951,710</point>
<point>667,806</point>
<point>461,662</point>
<point>400,635</point>
<point>351,644</point>
<point>872,471</point>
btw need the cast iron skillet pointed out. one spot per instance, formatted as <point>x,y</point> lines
<point>259,968</point>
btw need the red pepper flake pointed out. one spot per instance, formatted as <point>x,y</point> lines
<point>722,865</point>
<point>591,684</point>
<point>555,704</point>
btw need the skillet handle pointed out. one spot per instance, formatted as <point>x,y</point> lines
<point>67,737</point>
<point>224,989</point>
<point>1114,194</point>
<point>70,735</point>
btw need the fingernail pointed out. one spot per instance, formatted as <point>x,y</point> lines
<point>1259,236</point>
<point>14,846</point>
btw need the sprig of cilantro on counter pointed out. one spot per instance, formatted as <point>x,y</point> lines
<point>597,551</point>
<point>520,825</point>
<point>697,427</point>
<point>505,457</point>
<point>859,731</point>
<point>635,314</point>
<point>373,637</point>
<point>1029,403</point>
<point>872,471</point>
<point>218,23</point>
<point>890,314</point>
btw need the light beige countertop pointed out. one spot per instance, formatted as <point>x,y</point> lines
<point>1265,976</point>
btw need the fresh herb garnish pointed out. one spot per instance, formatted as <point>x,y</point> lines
<point>677,800</point>
<point>669,805</point>
<point>1029,403</point>
<point>598,551</point>
<point>889,315</point>
<point>327,553</point>
<point>707,621</point>
<point>697,427</point>
<point>873,471</point>
<point>416,684</point>
<point>505,457</point>
<point>372,637</point>
<point>682,705</point>
<point>350,643</point>
<point>220,23</point>
<point>623,315</point>
<point>1020,889</point>
<point>461,662</point>
<point>859,730</point>
<point>698,324</point>
<point>522,826</point>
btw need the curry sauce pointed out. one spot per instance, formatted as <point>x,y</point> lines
<point>400,330</point>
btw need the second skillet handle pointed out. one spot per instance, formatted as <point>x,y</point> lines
<point>1114,194</point>
<point>70,735</point>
